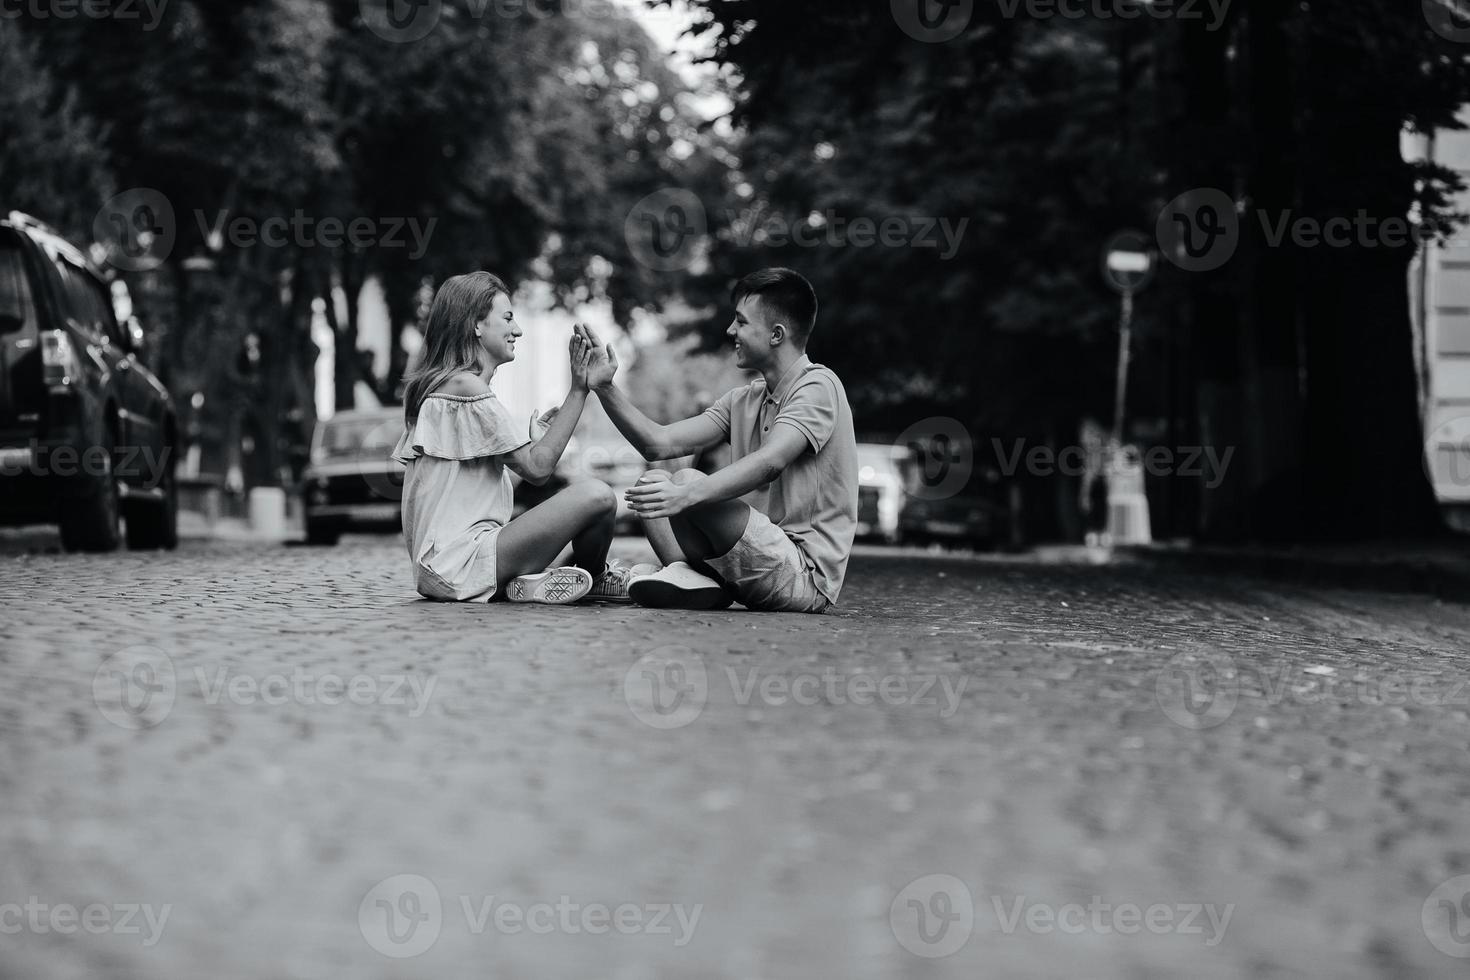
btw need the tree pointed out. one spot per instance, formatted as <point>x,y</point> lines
<point>1050,134</point>
<point>53,160</point>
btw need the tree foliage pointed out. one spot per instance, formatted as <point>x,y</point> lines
<point>517,142</point>
<point>1050,134</point>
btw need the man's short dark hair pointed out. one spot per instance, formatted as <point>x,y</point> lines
<point>789,296</point>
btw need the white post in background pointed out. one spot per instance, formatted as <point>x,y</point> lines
<point>268,513</point>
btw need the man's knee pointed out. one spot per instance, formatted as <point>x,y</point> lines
<point>597,497</point>
<point>686,476</point>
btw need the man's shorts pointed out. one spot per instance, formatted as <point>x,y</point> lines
<point>768,571</point>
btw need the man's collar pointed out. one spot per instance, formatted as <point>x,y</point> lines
<point>783,387</point>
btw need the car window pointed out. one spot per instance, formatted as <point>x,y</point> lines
<point>348,438</point>
<point>15,288</point>
<point>85,301</point>
<point>100,298</point>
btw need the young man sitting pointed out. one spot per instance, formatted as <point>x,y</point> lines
<point>774,528</point>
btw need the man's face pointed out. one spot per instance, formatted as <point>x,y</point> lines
<point>751,330</point>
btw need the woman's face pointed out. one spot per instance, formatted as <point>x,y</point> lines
<point>498,331</point>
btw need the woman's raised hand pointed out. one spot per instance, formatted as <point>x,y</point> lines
<point>579,353</point>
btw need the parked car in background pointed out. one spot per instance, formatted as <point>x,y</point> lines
<point>352,481</point>
<point>88,434</point>
<point>952,496</point>
<point>880,490</point>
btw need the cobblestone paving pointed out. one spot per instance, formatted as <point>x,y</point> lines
<point>1040,771</point>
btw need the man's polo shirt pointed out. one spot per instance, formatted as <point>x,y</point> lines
<point>815,499</point>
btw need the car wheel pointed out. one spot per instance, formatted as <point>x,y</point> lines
<point>90,519</point>
<point>155,524</point>
<point>323,532</point>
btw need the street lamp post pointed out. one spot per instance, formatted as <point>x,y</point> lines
<point>1128,265</point>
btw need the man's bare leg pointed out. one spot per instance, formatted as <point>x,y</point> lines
<point>710,530</point>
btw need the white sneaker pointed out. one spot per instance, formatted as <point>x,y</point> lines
<point>678,587</point>
<point>612,584</point>
<point>553,587</point>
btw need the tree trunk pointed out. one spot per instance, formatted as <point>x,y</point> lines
<point>1364,470</point>
<point>1209,322</point>
<point>1272,393</point>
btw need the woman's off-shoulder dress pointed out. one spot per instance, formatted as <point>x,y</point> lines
<point>457,494</point>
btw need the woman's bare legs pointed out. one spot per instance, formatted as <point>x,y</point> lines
<point>581,514</point>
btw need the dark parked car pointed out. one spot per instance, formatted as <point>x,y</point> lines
<point>353,483</point>
<point>87,432</point>
<point>953,496</point>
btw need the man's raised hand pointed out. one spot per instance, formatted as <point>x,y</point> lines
<point>603,364</point>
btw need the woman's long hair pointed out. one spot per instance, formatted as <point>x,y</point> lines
<point>450,345</point>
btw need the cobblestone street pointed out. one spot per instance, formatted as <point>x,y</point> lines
<point>256,761</point>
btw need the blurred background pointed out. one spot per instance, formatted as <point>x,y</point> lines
<point>272,189</point>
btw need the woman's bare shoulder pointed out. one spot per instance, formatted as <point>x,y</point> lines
<point>463,385</point>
